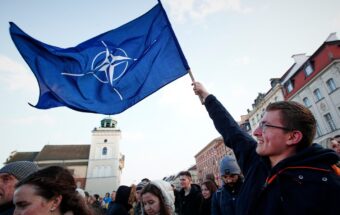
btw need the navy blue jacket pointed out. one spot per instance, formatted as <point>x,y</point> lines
<point>224,199</point>
<point>301,184</point>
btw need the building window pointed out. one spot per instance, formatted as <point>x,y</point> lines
<point>289,86</point>
<point>307,102</point>
<point>318,130</point>
<point>253,121</point>
<point>330,121</point>
<point>331,85</point>
<point>104,151</point>
<point>309,69</point>
<point>317,94</point>
<point>105,141</point>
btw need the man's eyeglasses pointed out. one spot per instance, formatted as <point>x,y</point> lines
<point>264,125</point>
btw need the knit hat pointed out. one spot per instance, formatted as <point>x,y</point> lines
<point>229,166</point>
<point>167,192</point>
<point>20,169</point>
<point>141,185</point>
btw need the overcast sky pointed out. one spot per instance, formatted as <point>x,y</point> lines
<point>234,47</point>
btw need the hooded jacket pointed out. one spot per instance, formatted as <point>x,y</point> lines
<point>167,192</point>
<point>301,184</point>
<point>121,204</point>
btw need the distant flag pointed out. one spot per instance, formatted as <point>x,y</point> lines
<point>110,72</point>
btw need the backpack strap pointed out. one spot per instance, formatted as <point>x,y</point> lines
<point>336,169</point>
<point>270,179</point>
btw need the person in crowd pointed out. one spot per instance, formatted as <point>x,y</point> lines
<point>224,200</point>
<point>81,192</point>
<point>211,177</point>
<point>285,173</point>
<point>138,208</point>
<point>106,201</point>
<point>208,189</point>
<point>10,175</point>
<point>113,195</point>
<point>190,196</point>
<point>145,180</point>
<point>176,194</point>
<point>158,198</point>
<point>96,204</point>
<point>125,198</point>
<point>51,190</point>
<point>335,144</point>
<point>87,197</point>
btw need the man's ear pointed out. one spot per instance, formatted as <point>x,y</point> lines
<point>294,137</point>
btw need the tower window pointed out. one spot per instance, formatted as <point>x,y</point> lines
<point>104,151</point>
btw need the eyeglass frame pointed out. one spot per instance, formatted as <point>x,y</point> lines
<point>262,125</point>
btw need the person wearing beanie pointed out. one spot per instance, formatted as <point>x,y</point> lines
<point>125,197</point>
<point>10,175</point>
<point>158,198</point>
<point>224,199</point>
<point>138,208</point>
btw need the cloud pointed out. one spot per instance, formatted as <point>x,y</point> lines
<point>336,23</point>
<point>15,76</point>
<point>180,98</point>
<point>43,119</point>
<point>133,136</point>
<point>199,9</point>
<point>244,60</point>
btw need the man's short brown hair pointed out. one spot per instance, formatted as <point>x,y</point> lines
<point>295,116</point>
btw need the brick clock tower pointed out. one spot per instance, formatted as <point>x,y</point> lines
<point>105,161</point>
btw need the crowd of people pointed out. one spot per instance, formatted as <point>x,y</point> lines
<point>281,172</point>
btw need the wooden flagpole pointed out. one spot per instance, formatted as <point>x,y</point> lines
<point>193,80</point>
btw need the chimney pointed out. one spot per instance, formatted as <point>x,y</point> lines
<point>332,37</point>
<point>299,58</point>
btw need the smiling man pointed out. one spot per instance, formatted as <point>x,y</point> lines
<point>285,173</point>
<point>10,174</point>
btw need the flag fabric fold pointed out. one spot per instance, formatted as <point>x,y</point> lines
<point>110,72</point>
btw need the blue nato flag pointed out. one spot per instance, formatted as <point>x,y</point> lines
<point>110,72</point>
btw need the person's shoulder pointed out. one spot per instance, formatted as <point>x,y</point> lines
<point>195,188</point>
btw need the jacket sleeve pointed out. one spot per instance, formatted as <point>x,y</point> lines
<point>234,137</point>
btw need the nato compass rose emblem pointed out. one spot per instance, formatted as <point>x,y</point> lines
<point>104,64</point>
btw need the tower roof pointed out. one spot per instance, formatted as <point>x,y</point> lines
<point>108,122</point>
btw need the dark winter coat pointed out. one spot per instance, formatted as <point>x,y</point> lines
<point>301,184</point>
<point>190,204</point>
<point>224,199</point>
<point>7,209</point>
<point>121,204</point>
<point>205,208</point>
<point>116,209</point>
